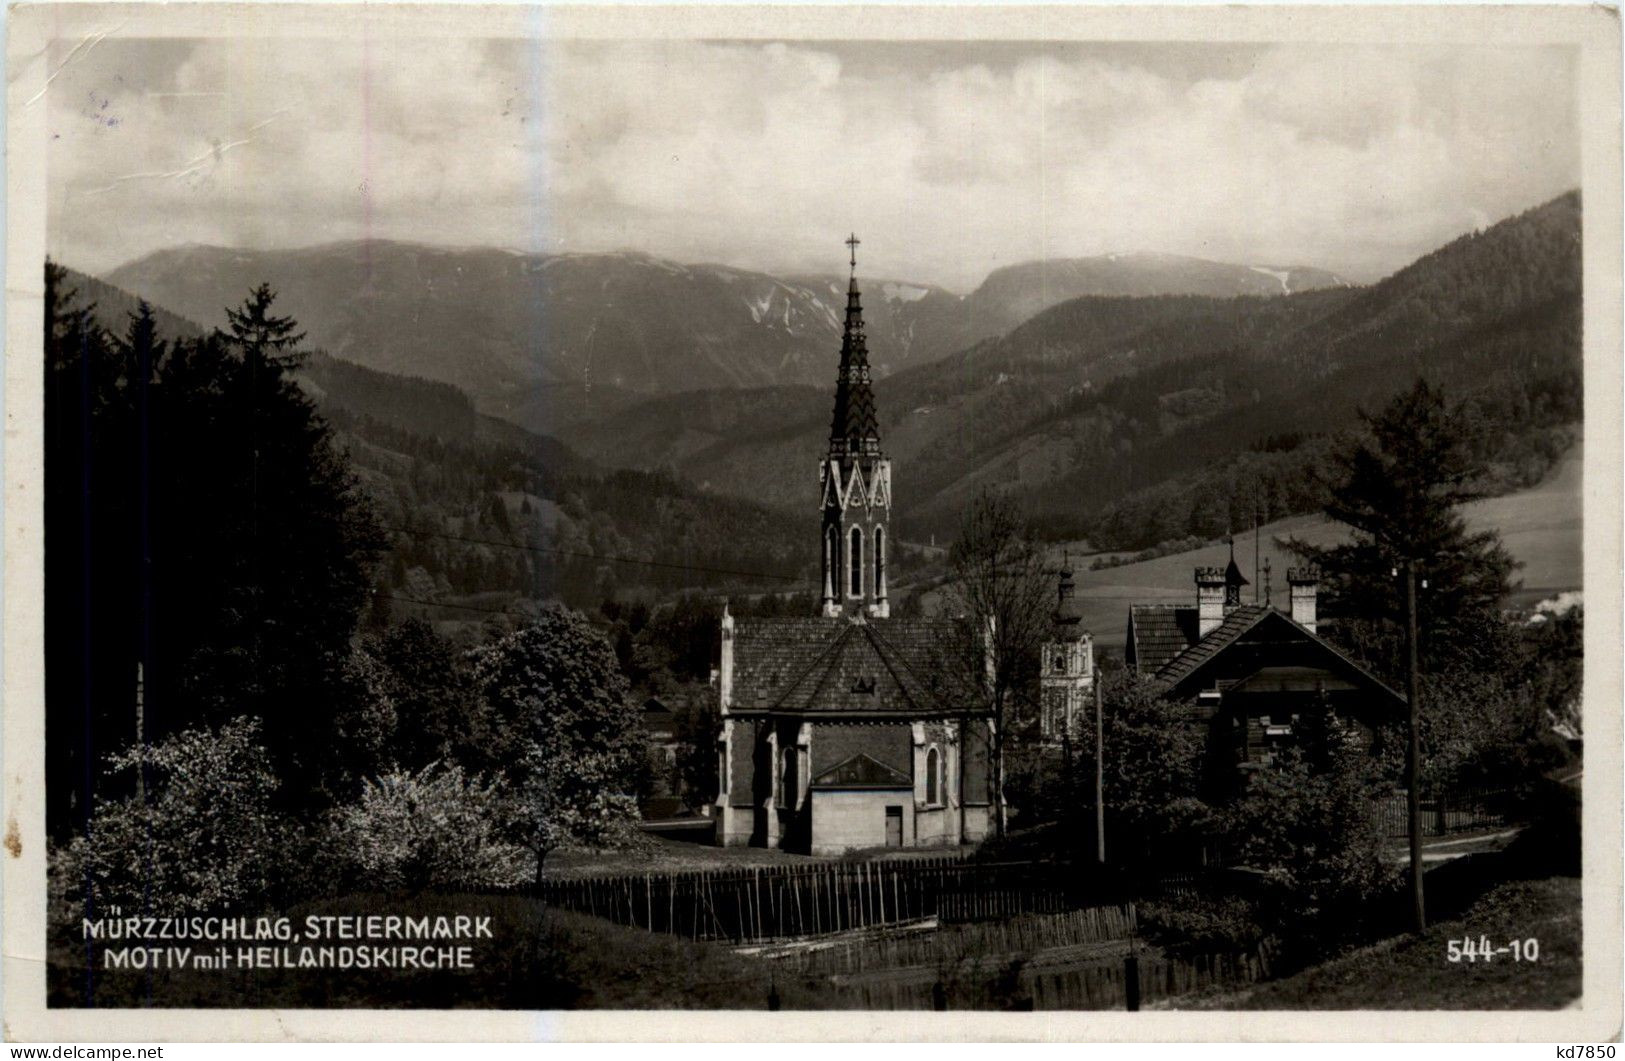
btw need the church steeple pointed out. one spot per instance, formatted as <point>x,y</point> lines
<point>854,429</point>
<point>854,478</point>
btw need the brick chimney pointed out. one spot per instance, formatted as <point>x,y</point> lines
<point>1305,586</point>
<point>1209,599</point>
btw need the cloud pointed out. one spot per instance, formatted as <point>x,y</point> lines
<point>947,162</point>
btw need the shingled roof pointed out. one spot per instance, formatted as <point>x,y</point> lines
<point>1158,633</point>
<point>1238,622</point>
<point>820,666</point>
<point>1237,626</point>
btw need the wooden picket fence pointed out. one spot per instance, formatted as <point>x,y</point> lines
<point>1099,984</point>
<point>758,903</point>
<point>929,944</point>
<point>1103,985</point>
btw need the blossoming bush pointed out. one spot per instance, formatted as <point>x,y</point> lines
<point>432,829</point>
<point>199,834</point>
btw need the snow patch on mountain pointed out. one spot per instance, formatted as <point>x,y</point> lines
<point>903,292</point>
<point>759,307</point>
<point>1280,274</point>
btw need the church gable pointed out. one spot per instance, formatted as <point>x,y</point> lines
<point>861,771</point>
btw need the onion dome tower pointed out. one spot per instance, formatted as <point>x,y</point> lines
<point>854,480</point>
<point>1068,666</point>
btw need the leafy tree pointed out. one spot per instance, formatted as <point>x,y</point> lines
<point>426,681</point>
<point>1308,825</point>
<point>678,644</point>
<point>366,723</point>
<point>1493,728</point>
<point>1001,598</point>
<point>697,727</point>
<point>1553,662</point>
<point>201,837</point>
<point>1399,487</point>
<point>564,724</point>
<point>1152,771</point>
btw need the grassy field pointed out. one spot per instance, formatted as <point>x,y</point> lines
<point>1540,527</point>
<point>666,855</point>
<point>1407,973</point>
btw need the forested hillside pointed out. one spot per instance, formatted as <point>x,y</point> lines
<point>479,512</point>
<point>1135,421</point>
<point>544,340</point>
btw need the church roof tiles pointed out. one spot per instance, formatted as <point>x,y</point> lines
<point>830,666</point>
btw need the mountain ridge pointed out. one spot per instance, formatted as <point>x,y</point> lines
<point>1098,400</point>
<point>531,337</point>
<point>480,512</point>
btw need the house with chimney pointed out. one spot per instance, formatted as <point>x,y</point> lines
<point>835,734</point>
<point>1251,671</point>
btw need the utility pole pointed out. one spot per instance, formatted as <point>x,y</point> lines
<point>1100,778</point>
<point>964,750</point>
<point>1413,759</point>
<point>1256,517</point>
<point>141,733</point>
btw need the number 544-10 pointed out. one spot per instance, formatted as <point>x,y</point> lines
<point>1481,949</point>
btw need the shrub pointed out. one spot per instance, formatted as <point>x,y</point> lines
<point>202,837</point>
<point>1225,924</point>
<point>434,828</point>
<point>1308,829</point>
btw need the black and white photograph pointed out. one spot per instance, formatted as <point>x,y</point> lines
<point>1044,514</point>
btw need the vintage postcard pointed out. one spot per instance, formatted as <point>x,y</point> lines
<point>812,522</point>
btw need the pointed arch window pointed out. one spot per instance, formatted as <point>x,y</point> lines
<point>880,561</point>
<point>789,784</point>
<point>933,772</point>
<point>856,560</point>
<point>832,561</point>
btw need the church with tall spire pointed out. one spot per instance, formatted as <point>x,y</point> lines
<point>854,479</point>
<point>835,735</point>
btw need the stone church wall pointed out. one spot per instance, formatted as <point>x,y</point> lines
<point>742,764</point>
<point>856,818</point>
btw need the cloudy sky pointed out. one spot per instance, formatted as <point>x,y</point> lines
<point>948,160</point>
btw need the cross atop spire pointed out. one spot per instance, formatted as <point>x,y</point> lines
<point>855,428</point>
